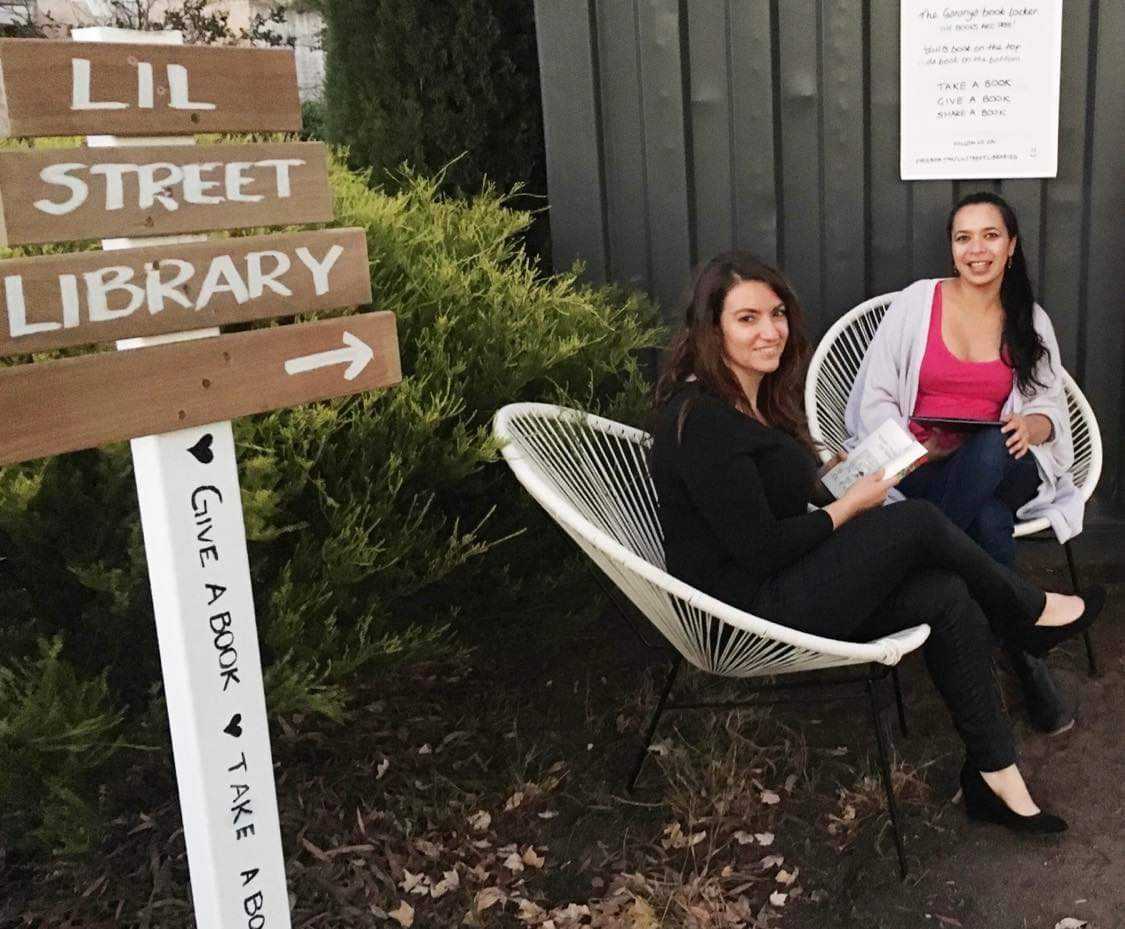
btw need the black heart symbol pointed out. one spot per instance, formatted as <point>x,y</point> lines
<point>234,727</point>
<point>202,449</point>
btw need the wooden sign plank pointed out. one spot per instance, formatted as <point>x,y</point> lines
<point>58,301</point>
<point>91,400</point>
<point>77,88</point>
<point>58,195</point>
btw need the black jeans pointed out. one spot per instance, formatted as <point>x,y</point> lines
<point>905,564</point>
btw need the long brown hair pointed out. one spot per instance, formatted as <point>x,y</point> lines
<point>697,349</point>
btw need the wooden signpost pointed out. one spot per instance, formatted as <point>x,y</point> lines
<point>87,193</point>
<point>71,88</point>
<point>163,303</point>
<point>83,297</point>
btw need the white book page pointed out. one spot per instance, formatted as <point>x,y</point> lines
<point>889,447</point>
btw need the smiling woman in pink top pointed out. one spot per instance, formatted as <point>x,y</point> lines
<point>977,346</point>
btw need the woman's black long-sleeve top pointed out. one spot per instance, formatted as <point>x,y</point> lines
<point>733,497</point>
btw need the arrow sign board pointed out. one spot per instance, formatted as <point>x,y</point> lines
<point>82,402</point>
<point>73,88</point>
<point>61,300</point>
<point>58,195</point>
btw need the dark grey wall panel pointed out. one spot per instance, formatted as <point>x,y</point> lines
<point>571,130</point>
<point>841,148</point>
<point>755,162</point>
<point>713,157</point>
<point>889,258</point>
<point>1061,280</point>
<point>799,114</point>
<point>1105,349</point>
<point>623,137</point>
<point>678,128</point>
<point>666,151</point>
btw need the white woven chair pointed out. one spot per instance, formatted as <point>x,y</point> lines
<point>832,373</point>
<point>592,476</point>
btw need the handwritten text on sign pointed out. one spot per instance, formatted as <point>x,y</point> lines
<point>92,400</point>
<point>980,89</point>
<point>84,193</point>
<point>61,300</point>
<point>72,88</point>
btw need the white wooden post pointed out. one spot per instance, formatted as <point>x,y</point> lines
<point>199,571</point>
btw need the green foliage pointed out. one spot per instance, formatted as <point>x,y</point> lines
<point>429,82</point>
<point>376,523</point>
<point>57,731</point>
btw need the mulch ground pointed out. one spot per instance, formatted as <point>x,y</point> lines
<point>490,793</point>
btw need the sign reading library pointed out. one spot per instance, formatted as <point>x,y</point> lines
<point>980,88</point>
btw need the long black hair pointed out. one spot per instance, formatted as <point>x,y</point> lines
<point>697,349</point>
<point>1020,345</point>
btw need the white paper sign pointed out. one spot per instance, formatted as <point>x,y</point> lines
<point>980,88</point>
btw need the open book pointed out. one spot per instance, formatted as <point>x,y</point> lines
<point>889,447</point>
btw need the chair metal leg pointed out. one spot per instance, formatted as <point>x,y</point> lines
<point>1090,658</point>
<point>903,728</point>
<point>671,679</point>
<point>885,770</point>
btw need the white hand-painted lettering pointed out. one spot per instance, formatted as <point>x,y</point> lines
<point>167,184</point>
<point>320,269</point>
<point>179,95</point>
<point>17,310</point>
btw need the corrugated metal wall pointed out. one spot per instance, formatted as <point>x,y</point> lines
<point>677,129</point>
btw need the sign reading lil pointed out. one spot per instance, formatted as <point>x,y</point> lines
<point>177,381</point>
<point>69,88</point>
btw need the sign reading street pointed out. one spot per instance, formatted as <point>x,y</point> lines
<point>73,299</point>
<point>91,400</point>
<point>72,88</point>
<point>53,195</point>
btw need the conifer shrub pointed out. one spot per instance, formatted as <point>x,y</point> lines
<point>368,518</point>
<point>428,81</point>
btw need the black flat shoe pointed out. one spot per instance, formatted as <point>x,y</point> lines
<point>1049,710</point>
<point>1038,640</point>
<point>983,805</point>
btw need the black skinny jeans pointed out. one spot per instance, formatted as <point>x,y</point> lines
<point>901,565</point>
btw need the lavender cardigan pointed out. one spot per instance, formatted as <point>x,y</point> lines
<point>886,387</point>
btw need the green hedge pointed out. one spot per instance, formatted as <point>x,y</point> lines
<point>429,81</point>
<point>370,520</point>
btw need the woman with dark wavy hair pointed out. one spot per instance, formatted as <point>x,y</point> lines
<point>735,472</point>
<point>977,346</point>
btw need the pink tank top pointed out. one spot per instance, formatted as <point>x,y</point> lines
<point>948,386</point>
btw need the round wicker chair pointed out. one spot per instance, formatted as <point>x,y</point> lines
<point>592,476</point>
<point>832,373</point>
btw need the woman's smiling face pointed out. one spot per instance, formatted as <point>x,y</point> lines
<point>755,328</point>
<point>980,243</point>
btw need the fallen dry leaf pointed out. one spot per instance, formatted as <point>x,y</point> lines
<point>531,859</point>
<point>480,820</point>
<point>642,916</point>
<point>1069,922</point>
<point>769,797</point>
<point>450,880</point>
<point>764,838</point>
<point>530,912</point>
<point>514,801</point>
<point>317,853</point>
<point>404,915</point>
<point>743,838</point>
<point>784,877</point>
<point>548,814</point>
<point>381,769</point>
<point>514,863</point>
<point>488,897</point>
<point>772,861</point>
<point>777,898</point>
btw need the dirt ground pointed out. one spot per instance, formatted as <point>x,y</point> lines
<point>489,793</point>
<point>980,876</point>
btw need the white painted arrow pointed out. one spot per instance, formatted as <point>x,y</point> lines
<point>355,356</point>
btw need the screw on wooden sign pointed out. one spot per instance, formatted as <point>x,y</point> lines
<point>71,88</point>
<point>57,301</point>
<point>91,400</point>
<point>57,195</point>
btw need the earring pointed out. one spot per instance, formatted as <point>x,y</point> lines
<point>1009,262</point>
